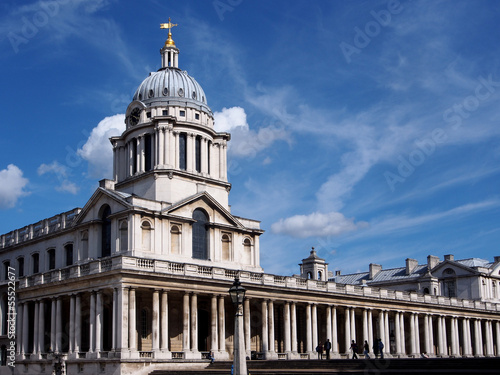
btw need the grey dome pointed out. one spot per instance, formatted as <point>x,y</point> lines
<point>172,86</point>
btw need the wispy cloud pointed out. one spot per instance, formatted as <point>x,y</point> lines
<point>62,173</point>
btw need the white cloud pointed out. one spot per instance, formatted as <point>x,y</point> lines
<point>317,224</point>
<point>97,150</point>
<point>61,172</point>
<point>245,141</point>
<point>12,184</point>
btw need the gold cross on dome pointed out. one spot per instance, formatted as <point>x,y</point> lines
<point>168,25</point>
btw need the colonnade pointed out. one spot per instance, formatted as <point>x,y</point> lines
<point>164,151</point>
<point>273,328</point>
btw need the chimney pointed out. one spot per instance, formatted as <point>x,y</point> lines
<point>497,259</point>
<point>411,264</point>
<point>450,257</point>
<point>432,261</point>
<point>374,270</point>
<point>107,184</point>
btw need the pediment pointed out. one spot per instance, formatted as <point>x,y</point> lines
<point>216,212</point>
<point>442,270</point>
<point>101,197</point>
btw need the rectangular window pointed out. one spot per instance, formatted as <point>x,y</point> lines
<point>6,266</point>
<point>182,113</point>
<point>182,151</point>
<point>36,262</point>
<point>148,153</point>
<point>165,112</point>
<point>20,267</point>
<point>69,254</point>
<point>134,156</point>
<point>148,114</point>
<point>197,116</point>
<point>52,258</point>
<point>208,155</point>
<point>198,153</point>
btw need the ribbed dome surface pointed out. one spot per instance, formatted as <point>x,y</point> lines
<point>173,86</point>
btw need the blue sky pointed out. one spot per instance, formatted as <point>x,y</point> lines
<point>367,129</point>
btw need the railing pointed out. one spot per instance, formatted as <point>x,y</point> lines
<point>145,354</point>
<point>217,273</point>
<point>177,355</point>
<point>282,356</point>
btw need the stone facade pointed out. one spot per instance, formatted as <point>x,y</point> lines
<point>138,278</point>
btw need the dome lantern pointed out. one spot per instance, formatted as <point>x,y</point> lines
<point>169,52</point>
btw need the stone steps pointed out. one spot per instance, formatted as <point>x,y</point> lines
<point>430,366</point>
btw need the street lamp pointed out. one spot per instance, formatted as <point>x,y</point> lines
<point>237,294</point>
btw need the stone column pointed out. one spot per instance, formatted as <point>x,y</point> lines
<point>329,323</point>
<point>413,347</point>
<point>387,341</point>
<point>72,324</point>
<point>445,339</point>
<point>370,330</point>
<point>190,152</point>
<point>36,348</point>
<point>381,334</point>
<point>427,346</point>
<point>402,342</point>
<point>161,146</point>
<point>214,341</point>
<point>265,329</point>
<point>98,322</point>
<point>453,335</point>
<point>24,348</point>
<point>314,314</point>
<point>78,323</point>
<point>365,327</point>
<point>397,333</point>
<point>185,323</point>
<point>497,329</point>
<point>489,338</point>
<point>92,323</point>
<point>293,314</point>
<point>441,332</point>
<point>309,344</point>
<point>286,327</point>
<point>194,322</point>
<point>222,327</point>
<point>270,307</point>
<point>19,326</point>
<point>59,331</point>
<point>132,319</point>
<point>204,158</point>
<point>353,325</point>
<point>123,321</point>
<point>248,332</point>
<point>156,321</point>
<point>417,334</point>
<point>115,316</point>
<point>164,321</point>
<point>347,329</point>
<point>53,331</point>
<point>335,341</point>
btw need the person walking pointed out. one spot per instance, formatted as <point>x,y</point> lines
<point>366,349</point>
<point>375,348</point>
<point>381,348</point>
<point>354,348</point>
<point>328,347</point>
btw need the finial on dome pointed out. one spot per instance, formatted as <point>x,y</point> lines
<point>169,25</point>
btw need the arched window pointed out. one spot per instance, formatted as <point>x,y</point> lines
<point>124,235</point>
<point>68,250</point>
<point>426,290</point>
<point>450,286</point>
<point>309,275</point>
<point>247,251</point>
<point>182,151</point>
<point>200,234</point>
<point>106,232</point>
<point>146,235</point>
<point>320,274</point>
<point>226,247</point>
<point>85,245</point>
<point>175,240</point>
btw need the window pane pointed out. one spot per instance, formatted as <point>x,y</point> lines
<point>200,235</point>
<point>182,151</point>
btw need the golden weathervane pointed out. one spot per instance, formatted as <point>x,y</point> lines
<point>169,25</point>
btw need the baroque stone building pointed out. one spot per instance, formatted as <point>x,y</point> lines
<point>138,278</point>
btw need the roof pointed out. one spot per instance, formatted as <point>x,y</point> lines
<point>392,274</point>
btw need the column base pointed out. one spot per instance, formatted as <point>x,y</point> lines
<point>271,355</point>
<point>221,355</point>
<point>192,355</point>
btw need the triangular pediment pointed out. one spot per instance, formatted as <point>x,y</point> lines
<point>92,209</point>
<point>442,269</point>
<point>216,212</point>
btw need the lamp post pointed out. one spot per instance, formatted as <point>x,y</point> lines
<point>237,294</point>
